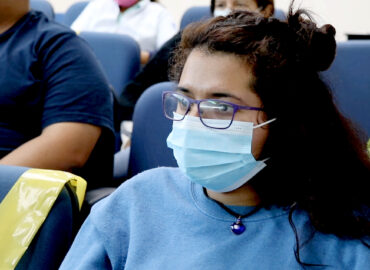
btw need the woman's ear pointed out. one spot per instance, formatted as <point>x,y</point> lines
<point>268,11</point>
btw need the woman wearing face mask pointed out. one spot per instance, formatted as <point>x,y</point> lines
<point>270,175</point>
<point>149,23</point>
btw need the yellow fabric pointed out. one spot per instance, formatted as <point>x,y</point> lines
<point>26,206</point>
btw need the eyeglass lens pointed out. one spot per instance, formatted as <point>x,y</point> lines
<point>176,106</point>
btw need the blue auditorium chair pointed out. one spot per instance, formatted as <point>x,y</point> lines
<point>195,14</point>
<point>279,14</point>
<point>349,79</point>
<point>43,6</point>
<point>150,131</point>
<point>73,12</point>
<point>59,17</point>
<point>118,54</point>
<point>53,239</point>
<point>148,140</point>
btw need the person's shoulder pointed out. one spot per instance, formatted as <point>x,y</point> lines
<point>44,26</point>
<point>161,176</point>
<point>47,32</point>
<point>148,187</point>
<point>101,3</point>
<point>100,6</point>
<point>344,252</point>
<point>157,7</point>
<point>42,29</point>
<point>156,180</point>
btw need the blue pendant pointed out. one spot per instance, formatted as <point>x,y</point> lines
<point>237,227</point>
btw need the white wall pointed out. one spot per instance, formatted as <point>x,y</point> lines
<point>347,16</point>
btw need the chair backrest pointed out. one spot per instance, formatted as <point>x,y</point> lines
<point>349,79</point>
<point>55,236</point>
<point>199,13</point>
<point>195,14</point>
<point>73,12</point>
<point>119,57</point>
<point>43,6</point>
<point>279,14</point>
<point>150,131</point>
<point>118,54</point>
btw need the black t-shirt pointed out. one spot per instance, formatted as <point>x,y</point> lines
<point>49,75</point>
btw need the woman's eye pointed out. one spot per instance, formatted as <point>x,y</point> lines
<point>222,108</point>
<point>225,108</point>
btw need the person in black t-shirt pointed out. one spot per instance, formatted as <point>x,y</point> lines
<point>56,108</point>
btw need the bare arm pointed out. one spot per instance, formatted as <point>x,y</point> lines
<point>61,146</point>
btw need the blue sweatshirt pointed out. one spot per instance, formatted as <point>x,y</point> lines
<point>161,220</point>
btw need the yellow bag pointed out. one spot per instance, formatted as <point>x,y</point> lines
<point>26,206</point>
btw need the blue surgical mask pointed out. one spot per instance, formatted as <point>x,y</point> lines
<point>218,159</point>
<point>221,12</point>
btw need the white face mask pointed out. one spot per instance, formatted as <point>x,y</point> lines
<point>221,12</point>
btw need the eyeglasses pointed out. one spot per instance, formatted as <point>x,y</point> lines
<point>176,106</point>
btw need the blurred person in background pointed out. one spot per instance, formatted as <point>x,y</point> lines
<point>56,109</point>
<point>149,23</point>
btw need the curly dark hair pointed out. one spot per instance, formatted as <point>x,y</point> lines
<point>317,159</point>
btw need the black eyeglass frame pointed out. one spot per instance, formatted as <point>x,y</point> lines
<point>198,101</point>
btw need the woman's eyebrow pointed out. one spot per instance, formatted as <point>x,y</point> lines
<point>219,2</point>
<point>183,89</point>
<point>225,95</point>
<point>216,94</point>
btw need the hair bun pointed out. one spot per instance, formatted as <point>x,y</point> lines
<point>323,47</point>
<point>315,46</point>
<point>328,29</point>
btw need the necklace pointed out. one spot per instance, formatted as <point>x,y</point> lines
<point>236,227</point>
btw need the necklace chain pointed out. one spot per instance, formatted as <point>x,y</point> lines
<point>231,212</point>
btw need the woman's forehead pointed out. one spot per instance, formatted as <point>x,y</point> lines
<point>208,73</point>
